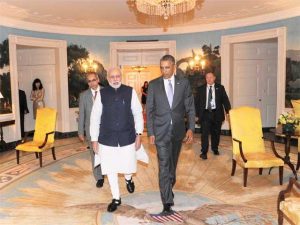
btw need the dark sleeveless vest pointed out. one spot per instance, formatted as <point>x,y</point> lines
<point>117,122</point>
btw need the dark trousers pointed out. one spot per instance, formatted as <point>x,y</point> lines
<point>168,152</point>
<point>209,125</point>
<point>22,124</point>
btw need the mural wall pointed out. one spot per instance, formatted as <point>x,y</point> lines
<point>97,48</point>
<point>5,86</point>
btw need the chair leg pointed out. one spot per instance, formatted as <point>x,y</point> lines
<point>18,156</point>
<point>245,176</point>
<point>280,174</point>
<point>260,171</point>
<point>53,153</point>
<point>41,159</point>
<point>298,162</point>
<point>36,155</point>
<point>233,167</point>
<point>280,218</point>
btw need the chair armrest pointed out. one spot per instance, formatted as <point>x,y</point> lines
<point>274,150</point>
<point>26,136</point>
<point>281,196</point>
<point>46,139</point>
<point>272,138</point>
<point>241,149</point>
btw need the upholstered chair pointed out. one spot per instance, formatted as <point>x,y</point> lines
<point>296,108</point>
<point>288,206</point>
<point>43,138</point>
<point>248,143</point>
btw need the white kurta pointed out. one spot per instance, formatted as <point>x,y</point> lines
<point>117,159</point>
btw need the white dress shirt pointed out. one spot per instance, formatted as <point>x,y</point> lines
<point>93,92</point>
<point>213,105</point>
<point>137,112</point>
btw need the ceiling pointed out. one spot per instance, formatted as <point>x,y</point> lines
<point>75,16</point>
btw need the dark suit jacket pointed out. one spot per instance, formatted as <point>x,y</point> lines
<point>23,102</point>
<point>222,102</point>
<point>159,113</point>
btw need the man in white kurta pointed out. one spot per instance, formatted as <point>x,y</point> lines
<point>116,126</point>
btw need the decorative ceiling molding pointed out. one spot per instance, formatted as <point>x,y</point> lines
<point>248,21</point>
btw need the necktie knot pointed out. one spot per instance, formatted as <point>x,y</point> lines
<point>95,95</point>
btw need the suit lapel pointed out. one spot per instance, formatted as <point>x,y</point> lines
<point>176,96</point>
<point>162,88</point>
<point>90,97</point>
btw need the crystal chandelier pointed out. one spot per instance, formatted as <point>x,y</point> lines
<point>164,13</point>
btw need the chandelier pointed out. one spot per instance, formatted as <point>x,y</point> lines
<point>88,65</point>
<point>139,69</point>
<point>164,13</point>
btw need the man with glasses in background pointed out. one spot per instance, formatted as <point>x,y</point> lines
<point>86,101</point>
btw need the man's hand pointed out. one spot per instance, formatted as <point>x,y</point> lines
<point>152,139</point>
<point>138,142</point>
<point>188,136</point>
<point>81,137</point>
<point>95,146</point>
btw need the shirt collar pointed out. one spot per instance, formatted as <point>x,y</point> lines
<point>98,89</point>
<point>212,85</point>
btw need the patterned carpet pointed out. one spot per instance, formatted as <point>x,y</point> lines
<point>64,192</point>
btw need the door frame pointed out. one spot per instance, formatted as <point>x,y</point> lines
<point>115,47</point>
<point>227,65</point>
<point>61,74</point>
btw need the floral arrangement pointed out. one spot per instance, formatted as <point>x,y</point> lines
<point>288,118</point>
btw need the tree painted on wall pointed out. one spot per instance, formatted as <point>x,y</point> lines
<point>5,85</point>
<point>212,57</point>
<point>76,76</point>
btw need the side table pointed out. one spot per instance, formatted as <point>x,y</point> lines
<point>3,124</point>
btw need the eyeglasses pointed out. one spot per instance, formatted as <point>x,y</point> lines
<point>89,81</point>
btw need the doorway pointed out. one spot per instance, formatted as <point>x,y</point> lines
<point>253,71</point>
<point>254,77</point>
<point>36,63</point>
<point>45,59</point>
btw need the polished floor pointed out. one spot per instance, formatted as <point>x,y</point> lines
<point>64,192</point>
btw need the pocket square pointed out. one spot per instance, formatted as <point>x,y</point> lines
<point>142,155</point>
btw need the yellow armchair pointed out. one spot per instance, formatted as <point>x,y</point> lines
<point>288,205</point>
<point>43,138</point>
<point>296,107</point>
<point>248,144</point>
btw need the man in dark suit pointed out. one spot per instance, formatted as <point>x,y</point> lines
<point>211,102</point>
<point>169,100</point>
<point>23,109</point>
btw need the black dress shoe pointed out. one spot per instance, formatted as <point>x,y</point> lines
<point>203,156</point>
<point>167,210</point>
<point>130,185</point>
<point>216,152</point>
<point>100,183</point>
<point>113,205</point>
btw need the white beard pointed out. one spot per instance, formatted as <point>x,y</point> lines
<point>115,85</point>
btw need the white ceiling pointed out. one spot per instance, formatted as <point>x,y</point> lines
<point>109,15</point>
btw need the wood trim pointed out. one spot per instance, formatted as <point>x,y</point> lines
<point>62,80</point>
<point>227,66</point>
<point>123,46</point>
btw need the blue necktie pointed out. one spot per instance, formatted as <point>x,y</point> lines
<point>170,93</point>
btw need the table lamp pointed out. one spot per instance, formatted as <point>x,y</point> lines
<point>1,96</point>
